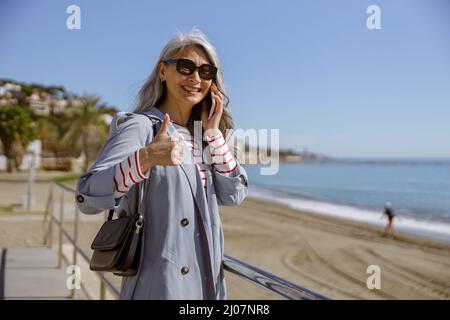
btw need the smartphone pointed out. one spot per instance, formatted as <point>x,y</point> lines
<point>211,104</point>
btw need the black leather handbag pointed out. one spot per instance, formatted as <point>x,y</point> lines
<point>117,245</point>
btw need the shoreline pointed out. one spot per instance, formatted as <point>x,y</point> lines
<point>432,230</point>
<point>361,225</point>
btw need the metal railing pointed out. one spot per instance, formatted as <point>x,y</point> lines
<point>262,278</point>
<point>50,219</point>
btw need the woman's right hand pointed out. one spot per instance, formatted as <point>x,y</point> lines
<point>163,150</point>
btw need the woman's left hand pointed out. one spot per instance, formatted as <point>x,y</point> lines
<point>213,122</point>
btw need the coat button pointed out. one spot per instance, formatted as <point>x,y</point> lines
<point>80,198</point>
<point>184,222</point>
<point>184,270</point>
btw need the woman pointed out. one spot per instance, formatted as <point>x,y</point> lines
<point>183,246</point>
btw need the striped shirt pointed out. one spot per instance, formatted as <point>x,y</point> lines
<point>128,171</point>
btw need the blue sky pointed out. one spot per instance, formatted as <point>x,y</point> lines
<point>310,68</point>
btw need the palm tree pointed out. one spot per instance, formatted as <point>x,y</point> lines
<point>88,130</point>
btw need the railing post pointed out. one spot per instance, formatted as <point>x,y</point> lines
<point>61,221</point>
<point>50,228</point>
<point>48,217</point>
<point>102,289</point>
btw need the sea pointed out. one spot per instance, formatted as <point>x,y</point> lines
<point>419,191</point>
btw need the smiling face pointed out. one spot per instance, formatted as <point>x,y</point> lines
<point>185,90</point>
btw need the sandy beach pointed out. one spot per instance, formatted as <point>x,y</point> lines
<point>324,254</point>
<point>331,256</point>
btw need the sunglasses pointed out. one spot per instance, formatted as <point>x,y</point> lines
<point>187,67</point>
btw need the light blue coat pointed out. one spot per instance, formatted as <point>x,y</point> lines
<point>179,260</point>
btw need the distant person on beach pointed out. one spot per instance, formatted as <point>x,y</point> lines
<point>389,213</point>
<point>183,243</point>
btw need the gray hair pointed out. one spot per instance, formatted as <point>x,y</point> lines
<point>154,91</point>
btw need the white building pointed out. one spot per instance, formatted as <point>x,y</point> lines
<point>40,103</point>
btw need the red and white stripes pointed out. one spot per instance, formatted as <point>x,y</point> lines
<point>221,156</point>
<point>127,173</point>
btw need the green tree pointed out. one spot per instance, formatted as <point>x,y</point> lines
<point>47,131</point>
<point>88,130</point>
<point>16,131</point>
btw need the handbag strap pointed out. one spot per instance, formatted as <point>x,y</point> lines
<point>144,188</point>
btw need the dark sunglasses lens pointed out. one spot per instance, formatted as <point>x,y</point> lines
<point>185,66</point>
<point>207,71</point>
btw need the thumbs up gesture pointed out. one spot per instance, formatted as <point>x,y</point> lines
<point>163,150</point>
